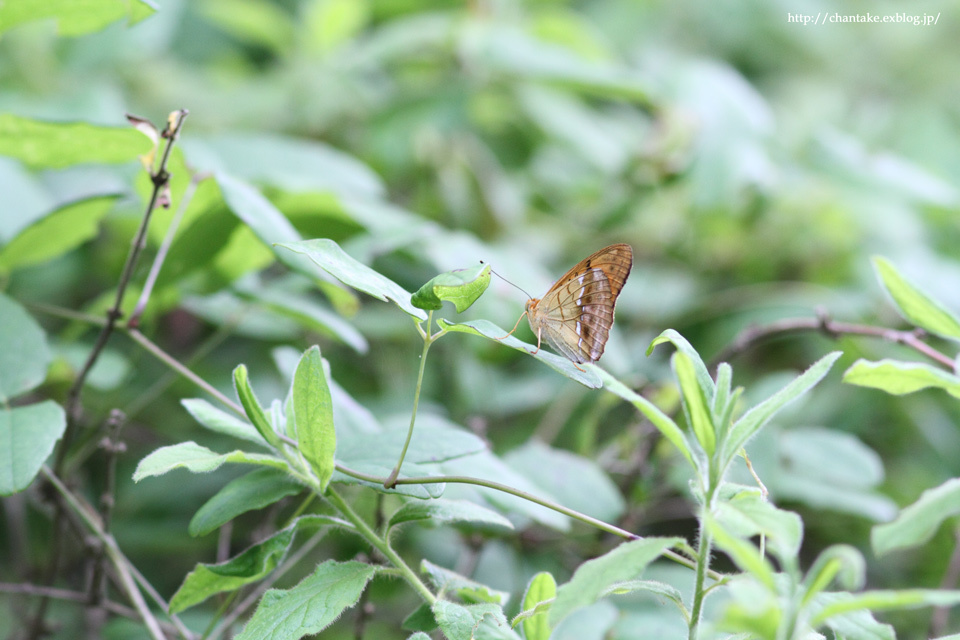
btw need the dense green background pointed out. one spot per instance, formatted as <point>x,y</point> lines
<point>753,163</point>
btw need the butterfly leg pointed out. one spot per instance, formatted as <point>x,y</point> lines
<point>514,328</point>
<point>533,353</point>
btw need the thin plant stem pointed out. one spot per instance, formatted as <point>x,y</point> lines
<point>704,544</point>
<point>427,341</point>
<point>380,544</point>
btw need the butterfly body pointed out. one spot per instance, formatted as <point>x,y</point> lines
<point>576,314</point>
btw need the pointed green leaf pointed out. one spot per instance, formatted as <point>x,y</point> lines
<point>254,490</point>
<point>462,287</point>
<point>886,601</point>
<point>747,514</point>
<point>900,378</point>
<point>695,400</point>
<point>667,427</point>
<point>313,411</point>
<point>472,622</point>
<point>311,606</point>
<point>587,374</point>
<point>253,408</point>
<point>448,512</point>
<point>221,421</point>
<point>55,145</point>
<point>754,419</point>
<point>914,305</point>
<point>537,600</point>
<point>27,437</point>
<point>840,561</point>
<point>703,376</point>
<point>328,255</point>
<point>421,619</point>
<point>743,553</point>
<point>594,577</point>
<point>917,523</point>
<point>193,457</point>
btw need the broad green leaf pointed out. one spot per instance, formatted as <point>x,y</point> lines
<point>587,375</point>
<point>754,608</point>
<point>74,18</point>
<point>595,577</point>
<point>917,523</point>
<point>249,566</point>
<point>311,606</point>
<point>193,457</point>
<point>470,591</point>
<point>332,23</point>
<point>62,230</point>
<point>754,419</point>
<point>886,601</point>
<point>593,622</point>
<point>472,622</point>
<point>433,441</point>
<point>840,561</point>
<point>901,378</point>
<point>25,199</point>
<point>855,625</point>
<point>421,619</point>
<point>743,553</point>
<point>584,485</point>
<point>27,437</point>
<point>419,635</point>
<point>253,408</point>
<point>296,165</point>
<point>683,346</point>
<point>537,600</point>
<point>667,427</point>
<point>254,490</point>
<point>328,255</point>
<point>447,512</point>
<point>914,305</point>
<point>747,514</point>
<point>54,145</point>
<point>695,401</point>
<point>462,287</point>
<point>660,589</point>
<point>313,410</point>
<point>221,421</point>
<point>24,354</point>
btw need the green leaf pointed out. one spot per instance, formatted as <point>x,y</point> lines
<point>914,305</point>
<point>659,589</point>
<point>754,419</point>
<point>586,375</point>
<point>313,411</point>
<point>917,523</point>
<point>447,512</point>
<point>221,421</point>
<point>469,591</point>
<point>462,287</point>
<point>584,485</point>
<point>595,577</point>
<point>900,378</point>
<point>840,561</point>
<point>747,514</point>
<point>683,346</point>
<point>421,619</point>
<point>193,457</point>
<point>253,408</point>
<point>328,255</point>
<point>24,354</point>
<point>471,622</point>
<point>249,566</point>
<point>382,471</point>
<point>743,553</point>
<point>54,145</point>
<point>253,21</point>
<point>886,601</point>
<point>62,230</point>
<point>419,635</point>
<point>695,401</point>
<point>667,427</point>
<point>255,490</point>
<point>27,437</point>
<point>311,606</point>
<point>73,18</point>
<point>537,600</point>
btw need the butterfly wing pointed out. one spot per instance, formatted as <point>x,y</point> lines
<point>576,314</point>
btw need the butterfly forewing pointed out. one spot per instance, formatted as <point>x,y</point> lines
<point>576,314</point>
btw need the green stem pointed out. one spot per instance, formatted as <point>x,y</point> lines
<point>704,547</point>
<point>381,545</point>
<point>427,341</point>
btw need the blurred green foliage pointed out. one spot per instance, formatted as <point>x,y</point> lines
<point>754,164</point>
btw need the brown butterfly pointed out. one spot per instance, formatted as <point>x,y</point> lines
<point>576,314</point>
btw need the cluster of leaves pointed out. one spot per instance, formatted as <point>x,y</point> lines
<point>520,137</point>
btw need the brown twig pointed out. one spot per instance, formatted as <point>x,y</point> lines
<point>832,329</point>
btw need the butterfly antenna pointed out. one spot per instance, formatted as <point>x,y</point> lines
<point>507,281</point>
